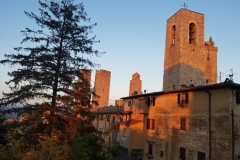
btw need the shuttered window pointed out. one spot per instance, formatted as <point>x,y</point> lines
<point>182,98</point>
<point>150,124</point>
<point>183,124</point>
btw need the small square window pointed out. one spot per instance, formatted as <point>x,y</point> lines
<point>182,98</point>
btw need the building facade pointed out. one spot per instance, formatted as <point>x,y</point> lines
<point>191,123</point>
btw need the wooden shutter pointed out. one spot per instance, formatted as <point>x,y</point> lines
<point>148,101</point>
<point>186,97</point>
<point>148,123</point>
<point>178,98</point>
<point>153,124</point>
<point>153,101</point>
<point>183,124</point>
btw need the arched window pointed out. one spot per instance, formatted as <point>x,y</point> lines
<point>173,33</point>
<point>192,33</point>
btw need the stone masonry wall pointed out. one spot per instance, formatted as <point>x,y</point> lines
<point>102,87</point>
<point>135,85</point>
<point>187,63</point>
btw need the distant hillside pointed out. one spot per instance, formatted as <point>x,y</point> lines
<point>11,115</point>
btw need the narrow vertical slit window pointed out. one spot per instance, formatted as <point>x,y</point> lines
<point>173,34</point>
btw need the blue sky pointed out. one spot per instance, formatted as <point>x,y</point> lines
<point>132,32</point>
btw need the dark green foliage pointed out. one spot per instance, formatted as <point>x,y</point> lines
<point>49,149</point>
<point>89,147</point>
<point>3,132</point>
<point>114,150</point>
<point>48,72</point>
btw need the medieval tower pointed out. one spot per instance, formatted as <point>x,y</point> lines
<point>102,87</point>
<point>135,85</point>
<point>189,60</point>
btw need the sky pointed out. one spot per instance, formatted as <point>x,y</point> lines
<point>132,33</point>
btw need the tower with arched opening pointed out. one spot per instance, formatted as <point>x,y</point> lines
<point>189,60</point>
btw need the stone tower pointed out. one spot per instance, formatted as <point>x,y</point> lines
<point>189,60</point>
<point>135,85</point>
<point>102,87</point>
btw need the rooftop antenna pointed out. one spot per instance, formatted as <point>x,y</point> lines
<point>220,76</point>
<point>184,6</point>
<point>231,75</point>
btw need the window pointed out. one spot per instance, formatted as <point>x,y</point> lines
<point>108,117</point>
<point>237,97</point>
<point>150,148</point>
<point>137,154</point>
<point>113,119</point>
<point>150,124</point>
<point>148,101</point>
<point>129,103</point>
<point>183,124</point>
<point>161,154</point>
<point>182,153</point>
<point>201,156</point>
<point>192,33</point>
<point>182,98</point>
<point>173,35</point>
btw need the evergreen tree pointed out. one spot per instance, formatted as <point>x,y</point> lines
<point>49,71</point>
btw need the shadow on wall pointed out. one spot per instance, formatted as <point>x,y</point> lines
<point>173,79</point>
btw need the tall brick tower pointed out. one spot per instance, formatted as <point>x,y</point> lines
<point>135,85</point>
<point>189,60</point>
<point>102,87</point>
